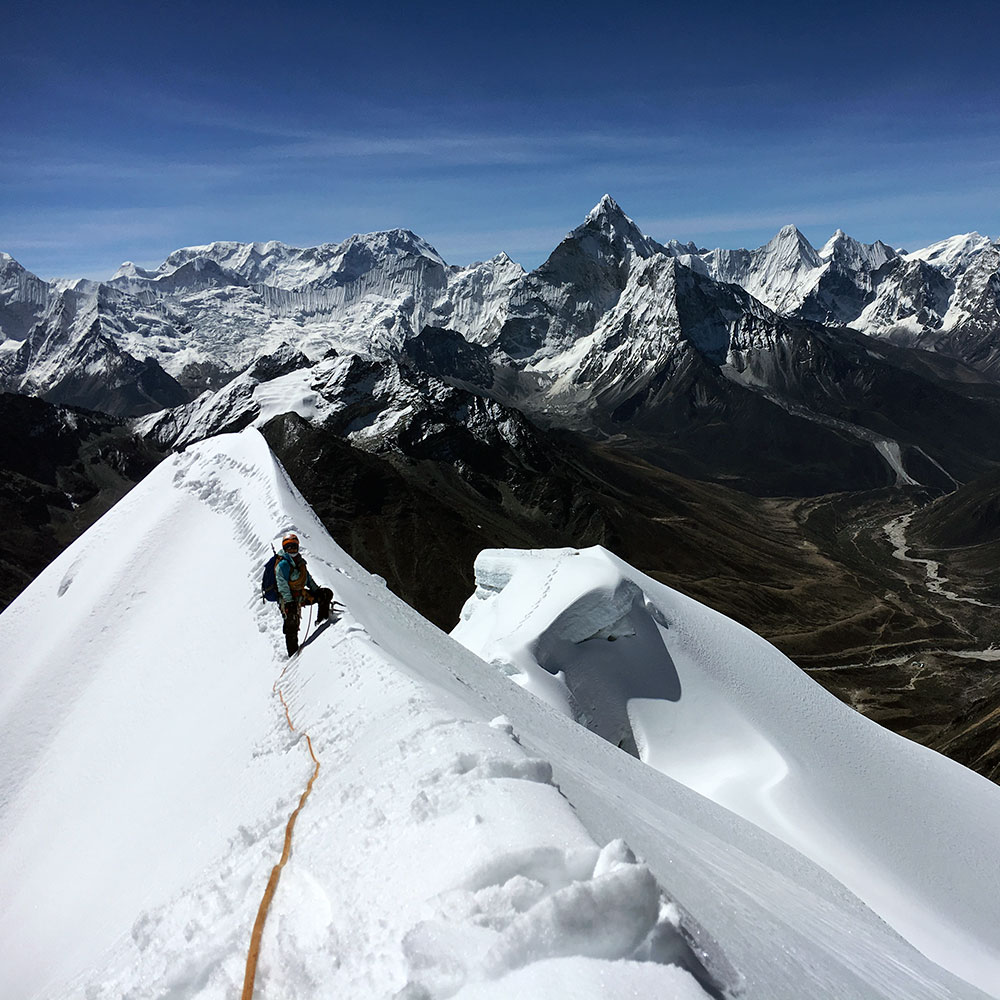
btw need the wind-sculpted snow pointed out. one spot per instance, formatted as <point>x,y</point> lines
<point>717,708</point>
<point>461,839</point>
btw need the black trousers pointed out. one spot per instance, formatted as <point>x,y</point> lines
<point>321,596</point>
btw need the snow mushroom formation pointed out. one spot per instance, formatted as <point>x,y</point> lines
<point>720,710</point>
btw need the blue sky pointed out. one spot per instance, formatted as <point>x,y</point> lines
<point>131,130</point>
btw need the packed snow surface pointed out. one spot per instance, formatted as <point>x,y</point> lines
<point>720,710</point>
<point>461,837</point>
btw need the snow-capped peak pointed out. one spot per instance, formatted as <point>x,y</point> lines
<point>130,270</point>
<point>606,206</point>
<point>282,266</point>
<point>854,254</point>
<point>955,252</point>
<point>396,241</point>
<point>503,259</point>
<point>780,273</point>
<point>616,230</point>
<point>10,266</point>
<point>789,248</point>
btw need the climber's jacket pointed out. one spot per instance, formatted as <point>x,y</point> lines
<point>292,577</point>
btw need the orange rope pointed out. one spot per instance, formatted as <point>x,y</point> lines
<point>272,883</point>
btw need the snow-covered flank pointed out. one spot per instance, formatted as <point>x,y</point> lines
<point>372,404</point>
<point>945,297</point>
<point>366,294</point>
<point>208,312</point>
<point>780,273</point>
<point>478,298</point>
<point>855,255</point>
<point>720,710</point>
<point>154,747</point>
<point>23,298</point>
<point>461,839</point>
<point>954,254</point>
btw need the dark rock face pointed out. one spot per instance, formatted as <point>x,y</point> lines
<point>197,377</point>
<point>62,468</point>
<point>692,420</point>
<point>799,410</point>
<point>581,280</point>
<point>967,518</point>
<point>450,357</point>
<point>419,518</point>
<point>126,388</point>
<point>973,737</point>
<point>284,360</point>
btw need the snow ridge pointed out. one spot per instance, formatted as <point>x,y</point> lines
<point>461,840</point>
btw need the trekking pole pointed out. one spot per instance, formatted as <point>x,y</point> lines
<point>309,623</point>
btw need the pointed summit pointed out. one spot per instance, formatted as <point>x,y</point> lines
<point>579,282</point>
<point>606,206</point>
<point>23,298</point>
<point>854,255</point>
<point>790,248</point>
<point>778,273</point>
<point>11,267</point>
<point>616,233</point>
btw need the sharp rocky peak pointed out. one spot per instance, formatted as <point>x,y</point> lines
<point>790,244</point>
<point>851,252</point>
<point>607,220</point>
<point>609,207</point>
<point>8,265</point>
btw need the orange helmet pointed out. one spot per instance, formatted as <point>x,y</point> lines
<point>290,541</point>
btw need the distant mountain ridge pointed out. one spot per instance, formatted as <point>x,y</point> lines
<point>208,311</point>
<point>613,332</point>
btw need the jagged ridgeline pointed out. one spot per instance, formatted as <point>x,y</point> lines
<point>752,426</point>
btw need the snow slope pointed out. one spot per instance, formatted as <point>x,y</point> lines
<point>460,836</point>
<point>720,710</point>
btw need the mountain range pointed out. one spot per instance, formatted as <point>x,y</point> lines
<point>207,312</point>
<point>792,435</point>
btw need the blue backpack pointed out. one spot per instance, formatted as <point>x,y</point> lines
<point>268,582</point>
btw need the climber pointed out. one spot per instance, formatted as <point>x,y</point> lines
<point>296,588</point>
